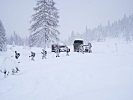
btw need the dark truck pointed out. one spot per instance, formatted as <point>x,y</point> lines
<point>77,45</point>
<point>80,47</point>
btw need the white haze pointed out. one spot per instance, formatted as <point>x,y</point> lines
<point>75,15</point>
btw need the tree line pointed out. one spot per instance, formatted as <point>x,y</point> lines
<point>122,28</point>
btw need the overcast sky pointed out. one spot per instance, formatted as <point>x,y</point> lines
<point>75,15</point>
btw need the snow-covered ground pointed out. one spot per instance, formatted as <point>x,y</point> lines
<point>105,74</point>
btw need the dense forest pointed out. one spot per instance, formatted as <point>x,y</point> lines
<point>122,28</point>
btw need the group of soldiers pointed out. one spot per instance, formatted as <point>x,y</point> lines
<point>44,54</point>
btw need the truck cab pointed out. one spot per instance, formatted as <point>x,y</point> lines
<point>77,45</point>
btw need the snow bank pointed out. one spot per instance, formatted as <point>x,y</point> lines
<point>105,74</point>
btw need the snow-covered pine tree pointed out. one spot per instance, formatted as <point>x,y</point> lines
<point>44,24</point>
<point>2,37</point>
